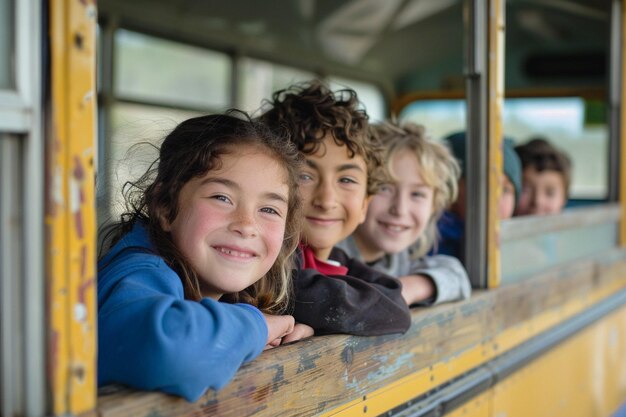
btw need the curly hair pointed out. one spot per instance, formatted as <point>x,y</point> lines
<point>311,111</point>
<point>192,149</point>
<point>541,155</point>
<point>438,168</point>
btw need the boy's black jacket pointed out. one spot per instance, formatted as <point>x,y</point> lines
<point>365,302</point>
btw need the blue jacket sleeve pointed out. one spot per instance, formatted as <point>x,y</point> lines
<point>151,338</point>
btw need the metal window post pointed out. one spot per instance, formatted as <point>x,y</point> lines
<point>476,137</point>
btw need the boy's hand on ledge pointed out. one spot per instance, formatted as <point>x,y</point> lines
<point>300,331</point>
<point>416,288</point>
<point>277,328</point>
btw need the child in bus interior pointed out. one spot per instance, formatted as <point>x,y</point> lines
<point>198,270</point>
<point>546,175</point>
<point>401,223</point>
<point>451,226</point>
<point>343,168</point>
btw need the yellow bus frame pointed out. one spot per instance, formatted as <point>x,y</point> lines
<point>70,208</point>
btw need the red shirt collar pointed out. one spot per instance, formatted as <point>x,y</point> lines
<point>326,268</point>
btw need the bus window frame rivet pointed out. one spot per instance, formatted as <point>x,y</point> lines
<point>87,97</point>
<point>79,40</point>
<point>80,312</point>
<point>79,372</point>
<point>91,11</point>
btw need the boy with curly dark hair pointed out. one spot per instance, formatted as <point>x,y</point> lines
<point>343,169</point>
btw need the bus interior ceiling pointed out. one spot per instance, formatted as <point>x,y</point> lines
<point>401,45</point>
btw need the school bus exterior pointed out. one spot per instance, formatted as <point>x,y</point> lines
<point>544,333</point>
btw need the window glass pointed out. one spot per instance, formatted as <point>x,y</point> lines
<point>549,249</point>
<point>7,48</point>
<point>259,79</point>
<point>573,124</point>
<point>157,70</point>
<point>128,154</point>
<point>369,95</point>
<point>439,117</point>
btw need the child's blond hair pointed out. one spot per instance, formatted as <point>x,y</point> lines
<point>438,168</point>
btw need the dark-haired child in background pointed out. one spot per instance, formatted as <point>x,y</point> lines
<point>546,175</point>
<point>452,223</point>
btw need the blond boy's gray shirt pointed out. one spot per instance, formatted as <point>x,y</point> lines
<point>448,275</point>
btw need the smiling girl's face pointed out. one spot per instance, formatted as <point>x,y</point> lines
<point>398,215</point>
<point>230,224</point>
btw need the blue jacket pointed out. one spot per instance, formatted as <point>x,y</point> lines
<point>151,338</point>
<point>451,236</point>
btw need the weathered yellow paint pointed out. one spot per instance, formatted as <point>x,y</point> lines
<point>495,94</point>
<point>57,220</point>
<point>593,364</point>
<point>70,209</point>
<point>479,406</point>
<point>405,389</point>
<point>416,384</point>
<point>597,382</point>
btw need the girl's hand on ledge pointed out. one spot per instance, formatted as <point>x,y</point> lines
<point>300,331</point>
<point>277,328</point>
